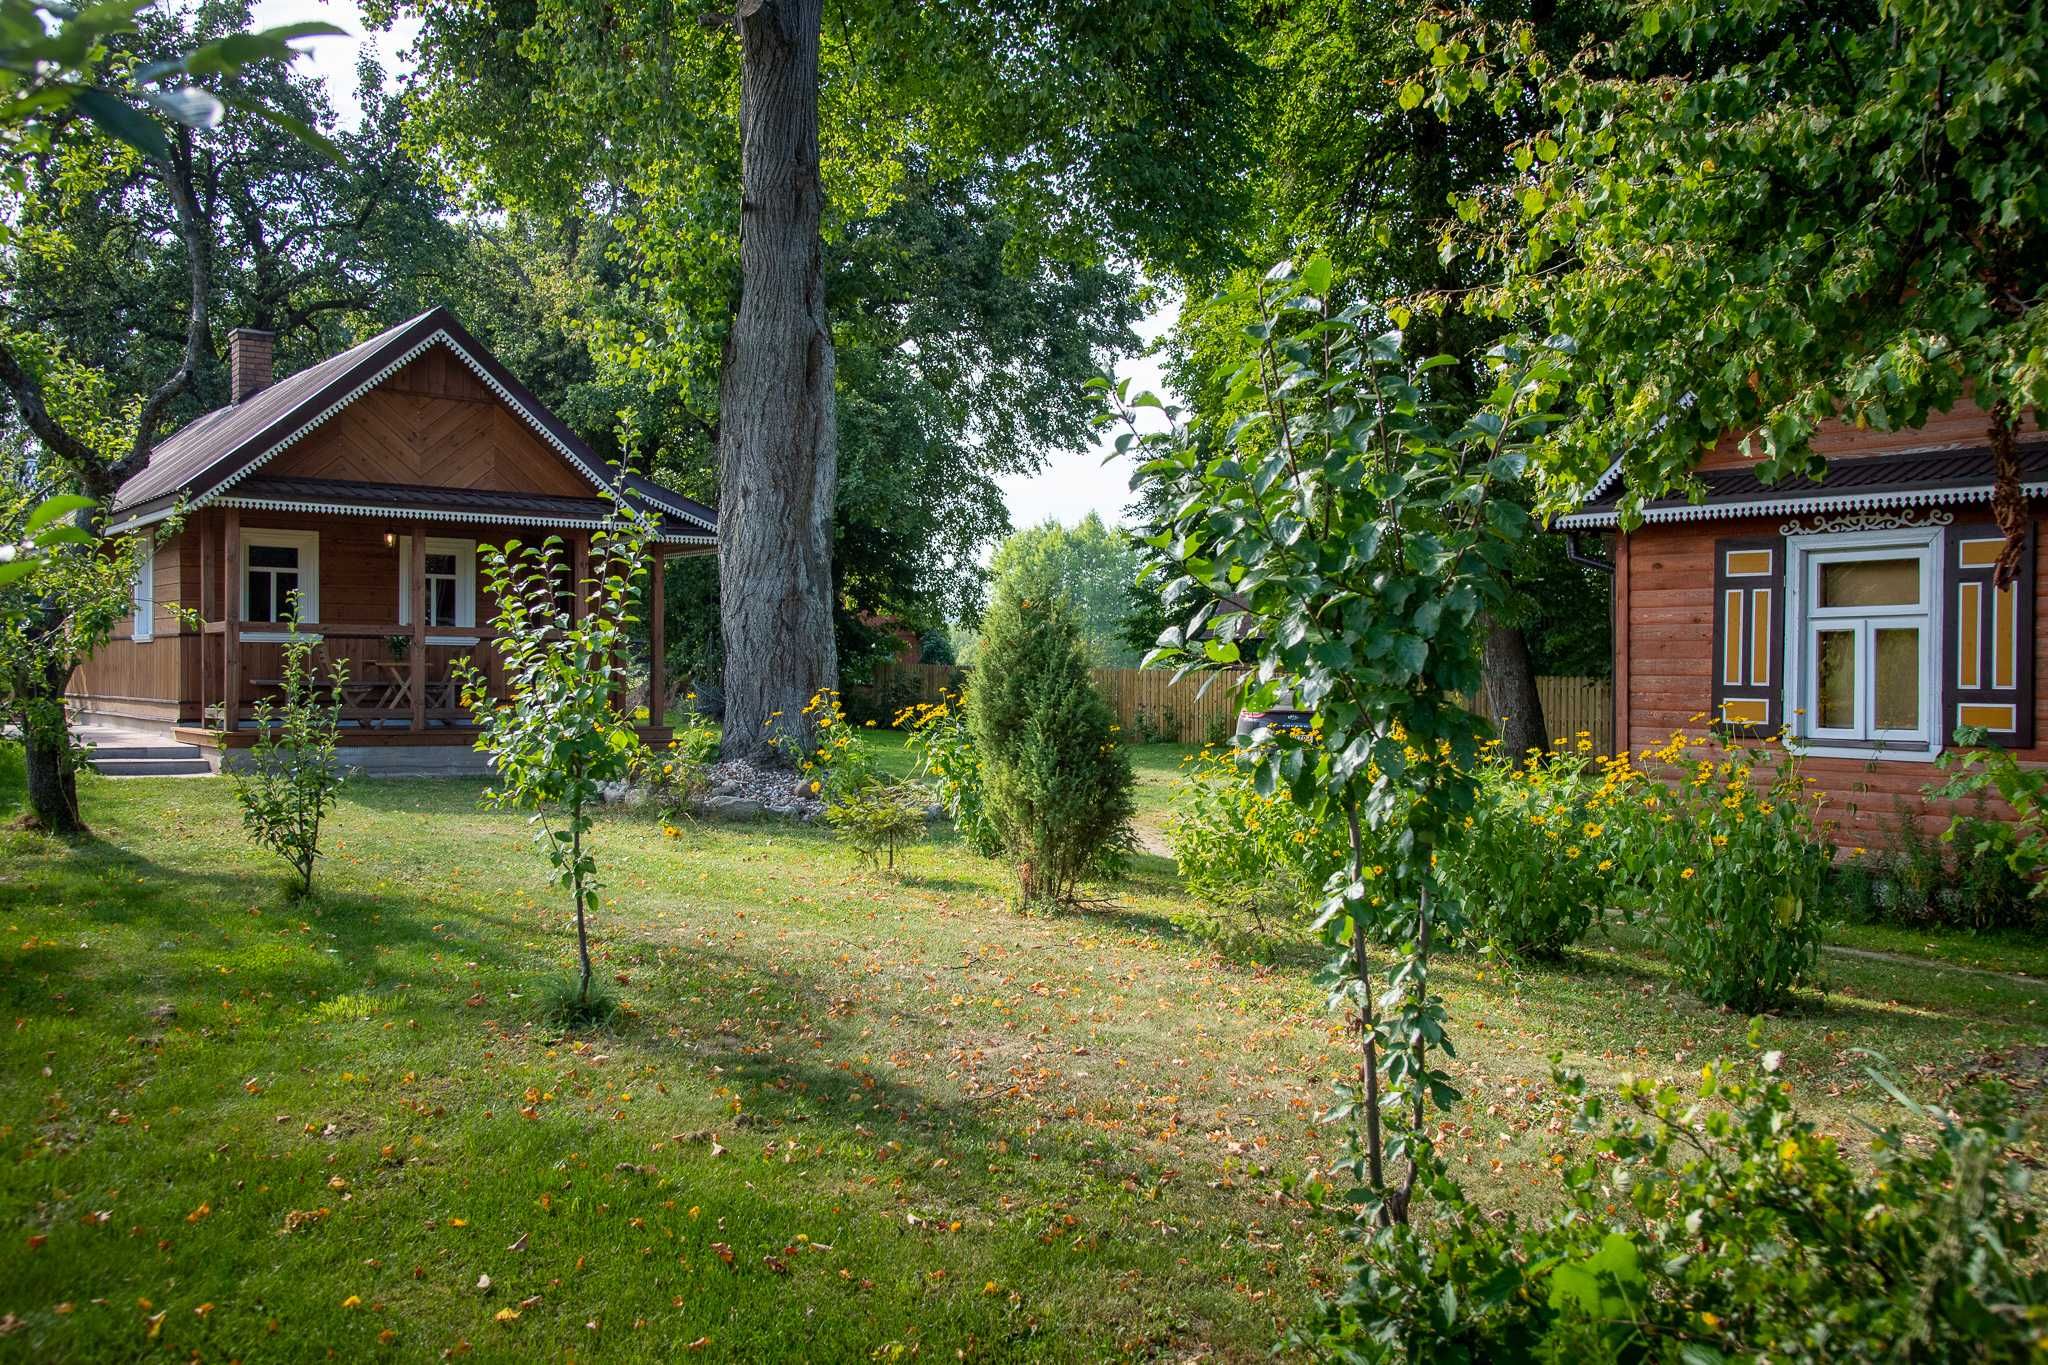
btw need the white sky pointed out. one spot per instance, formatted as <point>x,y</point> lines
<point>1068,488</point>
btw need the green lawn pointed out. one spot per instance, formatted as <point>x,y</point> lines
<point>848,1116</point>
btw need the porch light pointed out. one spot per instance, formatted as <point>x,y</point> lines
<point>390,540</point>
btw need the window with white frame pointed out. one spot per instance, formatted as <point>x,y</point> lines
<point>1865,639</point>
<point>449,584</point>
<point>142,592</point>
<point>278,566</point>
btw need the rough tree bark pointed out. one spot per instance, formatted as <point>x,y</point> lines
<point>778,435</point>
<point>1512,702</point>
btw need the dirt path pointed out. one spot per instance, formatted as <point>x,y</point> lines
<point>1933,964</point>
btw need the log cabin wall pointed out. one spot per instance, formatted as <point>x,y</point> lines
<point>1664,665</point>
<point>146,679</point>
<point>1962,427</point>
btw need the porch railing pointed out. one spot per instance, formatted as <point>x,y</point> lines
<point>398,678</point>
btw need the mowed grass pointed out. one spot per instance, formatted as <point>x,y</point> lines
<point>847,1116</point>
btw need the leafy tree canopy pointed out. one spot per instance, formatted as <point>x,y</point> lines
<point>1754,217</point>
<point>1093,567</point>
<point>318,238</point>
<point>992,171</point>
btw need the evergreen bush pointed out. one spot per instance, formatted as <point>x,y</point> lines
<point>1057,783</point>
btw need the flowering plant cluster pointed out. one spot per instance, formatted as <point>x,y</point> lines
<point>949,761</point>
<point>1714,1223</point>
<point>826,749</point>
<point>1533,869</point>
<point>674,773</point>
<point>873,814</point>
<point>1719,849</point>
<point>1253,856</point>
<point>1740,872</point>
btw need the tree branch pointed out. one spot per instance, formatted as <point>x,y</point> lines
<point>101,480</point>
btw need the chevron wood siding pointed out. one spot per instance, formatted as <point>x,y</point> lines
<point>432,424</point>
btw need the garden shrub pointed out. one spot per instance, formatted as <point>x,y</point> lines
<point>292,775</point>
<point>1717,1226</point>
<point>1530,868</point>
<point>1976,770</point>
<point>1958,879</point>
<point>948,760</point>
<point>1154,725</point>
<point>1058,785</point>
<point>1737,889</point>
<point>862,806</point>
<point>1254,858</point>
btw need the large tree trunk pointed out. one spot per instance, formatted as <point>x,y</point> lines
<point>777,434</point>
<point>1512,702</point>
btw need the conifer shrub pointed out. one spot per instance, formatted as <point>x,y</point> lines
<point>1057,784</point>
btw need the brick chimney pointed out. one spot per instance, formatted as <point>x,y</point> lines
<point>248,362</point>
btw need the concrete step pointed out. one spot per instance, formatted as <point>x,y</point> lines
<point>151,767</point>
<point>128,751</point>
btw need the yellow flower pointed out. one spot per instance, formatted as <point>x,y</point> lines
<point>1720,841</point>
<point>1606,864</point>
<point>815,785</point>
<point>1590,830</point>
<point>1685,875</point>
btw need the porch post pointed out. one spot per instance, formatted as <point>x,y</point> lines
<point>579,570</point>
<point>231,619</point>
<point>657,639</point>
<point>417,664</point>
<point>209,596</point>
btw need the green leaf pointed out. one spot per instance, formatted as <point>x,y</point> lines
<point>50,509</point>
<point>1411,95</point>
<point>124,122</point>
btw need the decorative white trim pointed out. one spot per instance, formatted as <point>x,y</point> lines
<point>142,593</point>
<point>439,336</point>
<point>1608,478</point>
<point>1830,502</point>
<point>1868,521</point>
<point>444,515</point>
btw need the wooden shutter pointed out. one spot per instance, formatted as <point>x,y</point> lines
<point>1749,634</point>
<point>1988,639</point>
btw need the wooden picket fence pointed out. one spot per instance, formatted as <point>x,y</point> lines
<point>1149,703</point>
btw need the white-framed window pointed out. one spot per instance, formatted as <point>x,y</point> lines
<point>275,566</point>
<point>142,592</point>
<point>450,586</point>
<point>1863,641</point>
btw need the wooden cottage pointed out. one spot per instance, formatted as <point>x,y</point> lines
<point>362,485</point>
<point>1857,612</point>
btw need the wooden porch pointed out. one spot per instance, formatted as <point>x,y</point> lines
<point>400,676</point>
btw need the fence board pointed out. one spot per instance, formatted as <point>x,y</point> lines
<point>1185,712</point>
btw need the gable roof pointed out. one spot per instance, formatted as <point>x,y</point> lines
<point>210,455</point>
<point>1906,479</point>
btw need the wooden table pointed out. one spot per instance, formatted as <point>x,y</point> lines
<point>398,687</point>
